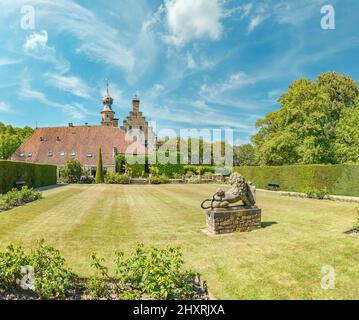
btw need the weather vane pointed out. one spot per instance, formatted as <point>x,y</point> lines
<point>107,83</point>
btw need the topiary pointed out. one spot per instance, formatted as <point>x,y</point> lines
<point>100,177</point>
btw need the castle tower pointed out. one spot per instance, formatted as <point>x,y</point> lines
<point>107,114</point>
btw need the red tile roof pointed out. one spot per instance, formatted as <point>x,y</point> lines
<point>82,140</point>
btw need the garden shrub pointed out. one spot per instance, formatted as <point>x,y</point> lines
<point>100,176</point>
<point>116,178</point>
<point>72,171</point>
<point>356,225</point>
<point>159,180</point>
<point>151,273</point>
<point>34,175</point>
<point>16,198</point>
<point>52,280</point>
<point>335,179</point>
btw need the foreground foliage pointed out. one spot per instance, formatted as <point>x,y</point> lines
<point>148,273</point>
<point>152,273</point>
<point>42,272</point>
<point>15,198</point>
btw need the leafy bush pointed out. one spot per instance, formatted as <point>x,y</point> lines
<point>11,262</point>
<point>34,175</point>
<point>116,178</point>
<point>159,180</point>
<point>72,171</point>
<point>356,225</point>
<point>154,273</point>
<point>319,194</point>
<point>52,280</point>
<point>16,198</point>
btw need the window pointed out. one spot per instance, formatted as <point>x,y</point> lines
<point>62,154</point>
<point>141,128</point>
<point>29,154</point>
<point>146,143</point>
<point>50,154</point>
<point>73,154</point>
<point>130,127</point>
<point>89,155</point>
<point>22,155</point>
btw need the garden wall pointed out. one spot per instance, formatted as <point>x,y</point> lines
<point>340,180</point>
<point>34,175</point>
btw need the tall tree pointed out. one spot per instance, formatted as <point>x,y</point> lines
<point>244,155</point>
<point>303,130</point>
<point>347,131</point>
<point>100,177</point>
<point>11,139</point>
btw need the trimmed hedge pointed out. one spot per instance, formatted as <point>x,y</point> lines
<point>34,175</point>
<point>334,179</point>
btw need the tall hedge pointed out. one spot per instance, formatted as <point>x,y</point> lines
<point>34,175</point>
<point>335,179</point>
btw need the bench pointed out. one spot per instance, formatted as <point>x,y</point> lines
<point>273,185</point>
<point>19,184</point>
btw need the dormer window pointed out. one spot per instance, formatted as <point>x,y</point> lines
<point>29,154</point>
<point>50,154</point>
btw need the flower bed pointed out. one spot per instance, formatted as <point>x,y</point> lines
<point>16,198</point>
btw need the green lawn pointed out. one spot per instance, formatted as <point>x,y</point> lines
<point>281,261</point>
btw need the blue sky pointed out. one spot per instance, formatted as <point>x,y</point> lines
<point>195,64</point>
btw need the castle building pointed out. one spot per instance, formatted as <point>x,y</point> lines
<point>55,145</point>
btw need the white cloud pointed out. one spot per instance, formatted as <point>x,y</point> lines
<point>7,61</point>
<point>234,81</point>
<point>193,20</point>
<point>4,107</point>
<point>255,22</point>
<point>71,84</point>
<point>36,46</point>
<point>74,111</point>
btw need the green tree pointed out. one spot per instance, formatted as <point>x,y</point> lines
<point>303,130</point>
<point>11,139</point>
<point>347,131</point>
<point>100,177</point>
<point>72,171</point>
<point>244,155</point>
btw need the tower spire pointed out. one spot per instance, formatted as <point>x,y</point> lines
<point>107,83</point>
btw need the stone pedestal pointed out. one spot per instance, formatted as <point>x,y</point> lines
<point>233,219</point>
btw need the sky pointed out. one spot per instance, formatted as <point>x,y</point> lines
<point>199,64</point>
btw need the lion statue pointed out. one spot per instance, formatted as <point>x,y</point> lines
<point>240,190</point>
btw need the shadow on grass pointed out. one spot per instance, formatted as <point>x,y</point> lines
<point>267,224</point>
<point>50,187</point>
